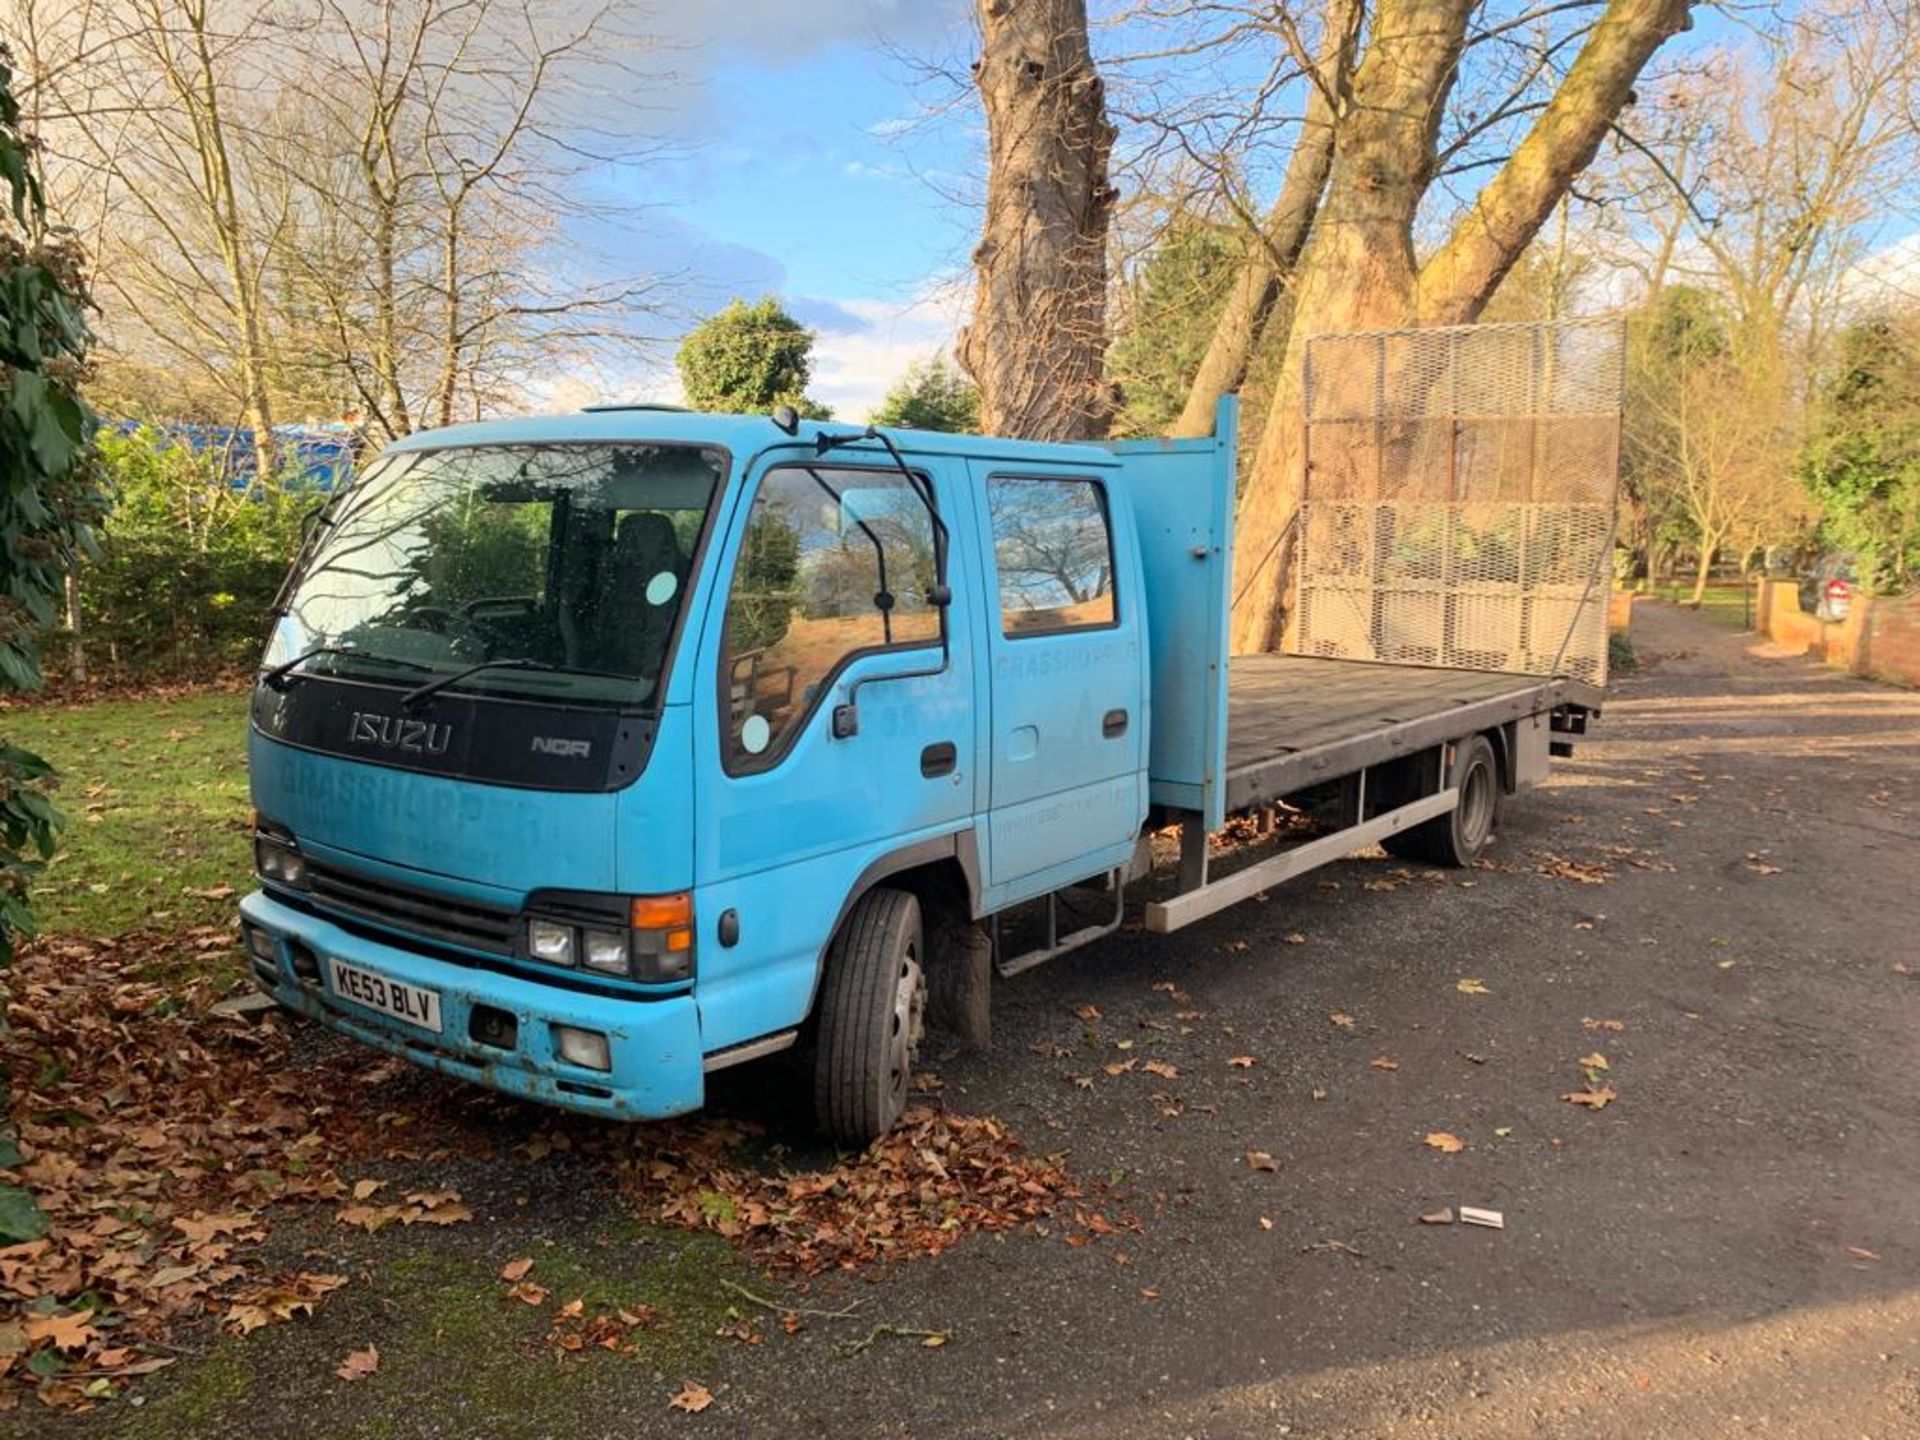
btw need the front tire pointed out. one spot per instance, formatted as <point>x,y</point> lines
<point>1462,835</point>
<point>872,1014</point>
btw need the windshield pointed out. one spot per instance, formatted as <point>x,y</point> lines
<point>573,557</point>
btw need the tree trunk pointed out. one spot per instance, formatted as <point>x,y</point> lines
<point>76,637</point>
<point>1358,271</point>
<point>1272,254</point>
<point>1709,545</point>
<point>451,319</point>
<point>1037,342</point>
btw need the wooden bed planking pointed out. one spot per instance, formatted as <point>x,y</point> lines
<point>1294,720</point>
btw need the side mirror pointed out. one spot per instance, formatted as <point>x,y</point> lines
<point>846,721</point>
<point>787,419</point>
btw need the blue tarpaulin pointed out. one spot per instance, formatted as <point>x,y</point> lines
<point>311,457</point>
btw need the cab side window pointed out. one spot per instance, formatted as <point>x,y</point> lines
<point>1054,552</point>
<point>835,563</point>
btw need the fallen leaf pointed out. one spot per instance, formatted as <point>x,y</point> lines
<point>63,1332</point>
<point>1587,1024</point>
<point>1162,1069</point>
<point>1242,1062</point>
<point>1859,1254</point>
<point>360,1364</point>
<point>1595,1061</point>
<point>1149,1294</point>
<point>1265,1223</point>
<point>1296,938</point>
<point>1593,1099</point>
<point>1472,987</point>
<point>1341,1020</point>
<point>367,1189</point>
<point>1438,1217</point>
<point>1088,1013</point>
<point>934,1342</point>
<point>1446,1142</point>
<point>528,1293</point>
<point>1261,1160</point>
<point>514,1271</point>
<point>693,1397</point>
<point>1381,1062</point>
<point>1318,1093</point>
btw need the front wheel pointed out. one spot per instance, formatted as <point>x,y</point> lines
<point>872,1013</point>
<point>1460,836</point>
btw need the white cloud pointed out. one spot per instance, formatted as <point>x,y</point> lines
<point>854,369</point>
<point>862,347</point>
<point>783,29</point>
<point>1890,275</point>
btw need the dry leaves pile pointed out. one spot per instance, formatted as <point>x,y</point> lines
<point>155,1140</point>
<point>161,1141</point>
<point>931,1182</point>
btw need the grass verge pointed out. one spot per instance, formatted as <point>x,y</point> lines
<point>155,795</point>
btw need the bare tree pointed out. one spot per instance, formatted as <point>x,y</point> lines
<point>1274,249</point>
<point>1360,269</point>
<point>1038,334</point>
<point>347,204</point>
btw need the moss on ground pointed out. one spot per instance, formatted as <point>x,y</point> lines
<point>454,1344</point>
<point>206,1388</point>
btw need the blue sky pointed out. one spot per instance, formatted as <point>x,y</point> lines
<point>806,166</point>
<point>802,172</point>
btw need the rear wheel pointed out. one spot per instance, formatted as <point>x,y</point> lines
<point>872,1013</point>
<point>1459,837</point>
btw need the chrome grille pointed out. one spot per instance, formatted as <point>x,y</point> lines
<point>426,913</point>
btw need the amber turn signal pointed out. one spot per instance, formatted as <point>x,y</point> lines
<point>662,912</point>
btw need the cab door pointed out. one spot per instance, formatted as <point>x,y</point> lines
<point>833,736</point>
<point>1066,652</point>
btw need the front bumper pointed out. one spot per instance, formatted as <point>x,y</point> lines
<point>654,1045</point>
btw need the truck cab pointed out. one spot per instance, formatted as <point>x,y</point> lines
<point>591,754</point>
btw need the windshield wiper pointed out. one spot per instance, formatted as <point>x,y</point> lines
<point>277,676</point>
<point>421,694</point>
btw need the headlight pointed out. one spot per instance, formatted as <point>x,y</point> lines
<point>606,950</point>
<point>549,942</point>
<point>583,932</point>
<point>276,858</point>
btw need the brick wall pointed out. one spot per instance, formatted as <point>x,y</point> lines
<point>1879,637</point>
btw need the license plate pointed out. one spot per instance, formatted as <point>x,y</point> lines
<point>405,1002</point>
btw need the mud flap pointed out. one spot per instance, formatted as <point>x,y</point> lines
<point>959,979</point>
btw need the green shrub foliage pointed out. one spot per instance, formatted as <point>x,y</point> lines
<point>50,493</point>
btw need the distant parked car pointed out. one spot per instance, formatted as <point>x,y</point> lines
<point>1826,591</point>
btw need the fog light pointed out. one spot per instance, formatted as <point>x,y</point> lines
<point>585,1048</point>
<point>606,950</point>
<point>550,942</point>
<point>490,1026</point>
<point>260,945</point>
<point>305,963</point>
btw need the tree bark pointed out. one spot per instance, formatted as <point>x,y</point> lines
<point>1037,341</point>
<point>1463,274</point>
<point>1245,320</point>
<point>1359,272</point>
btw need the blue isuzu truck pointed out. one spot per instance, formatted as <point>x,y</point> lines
<point>593,754</point>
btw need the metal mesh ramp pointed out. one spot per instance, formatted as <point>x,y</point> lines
<point>1460,495</point>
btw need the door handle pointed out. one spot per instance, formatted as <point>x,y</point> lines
<point>1114,725</point>
<point>939,759</point>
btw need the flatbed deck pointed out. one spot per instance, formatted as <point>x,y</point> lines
<point>1296,720</point>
